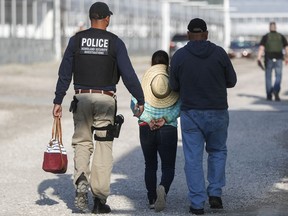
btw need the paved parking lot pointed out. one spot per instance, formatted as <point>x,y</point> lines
<point>257,176</point>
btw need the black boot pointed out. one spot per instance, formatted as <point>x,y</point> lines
<point>215,202</point>
<point>100,208</point>
<point>276,94</point>
<point>269,97</point>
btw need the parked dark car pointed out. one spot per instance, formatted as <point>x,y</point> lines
<point>243,49</point>
<point>177,41</point>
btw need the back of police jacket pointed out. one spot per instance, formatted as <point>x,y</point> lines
<point>95,58</point>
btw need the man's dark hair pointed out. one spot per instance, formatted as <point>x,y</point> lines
<point>160,57</point>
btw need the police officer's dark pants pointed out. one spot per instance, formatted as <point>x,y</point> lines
<point>97,110</point>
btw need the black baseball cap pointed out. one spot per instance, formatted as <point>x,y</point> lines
<point>99,10</point>
<point>197,25</point>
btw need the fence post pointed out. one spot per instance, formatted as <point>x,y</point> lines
<point>227,24</point>
<point>165,25</point>
<point>57,29</point>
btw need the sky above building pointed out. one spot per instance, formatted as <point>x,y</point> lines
<point>259,6</point>
<point>253,6</point>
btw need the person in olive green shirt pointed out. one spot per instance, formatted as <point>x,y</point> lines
<point>271,46</point>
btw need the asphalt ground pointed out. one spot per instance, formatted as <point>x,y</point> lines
<point>257,173</point>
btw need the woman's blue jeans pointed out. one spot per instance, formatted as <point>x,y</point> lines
<point>163,142</point>
<point>200,127</point>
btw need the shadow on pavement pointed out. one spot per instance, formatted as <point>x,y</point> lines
<point>60,186</point>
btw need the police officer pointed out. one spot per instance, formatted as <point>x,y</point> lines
<point>96,59</point>
<point>273,44</point>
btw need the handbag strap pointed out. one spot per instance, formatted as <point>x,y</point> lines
<point>60,131</point>
<point>57,130</point>
<point>54,129</point>
<point>57,134</point>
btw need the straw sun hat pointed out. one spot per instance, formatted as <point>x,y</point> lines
<point>156,89</point>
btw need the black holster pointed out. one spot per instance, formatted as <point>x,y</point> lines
<point>119,119</point>
<point>112,131</point>
<point>73,105</point>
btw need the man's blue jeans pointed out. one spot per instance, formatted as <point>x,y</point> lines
<point>277,65</point>
<point>163,142</point>
<point>200,127</point>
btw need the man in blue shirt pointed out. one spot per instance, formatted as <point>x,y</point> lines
<point>201,72</point>
<point>95,59</point>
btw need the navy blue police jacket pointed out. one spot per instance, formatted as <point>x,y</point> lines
<point>124,66</point>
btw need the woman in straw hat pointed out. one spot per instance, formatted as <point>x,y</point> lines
<point>158,129</point>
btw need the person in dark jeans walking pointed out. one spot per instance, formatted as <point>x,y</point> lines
<point>158,129</point>
<point>272,44</point>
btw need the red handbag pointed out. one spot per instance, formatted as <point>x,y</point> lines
<point>55,157</point>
